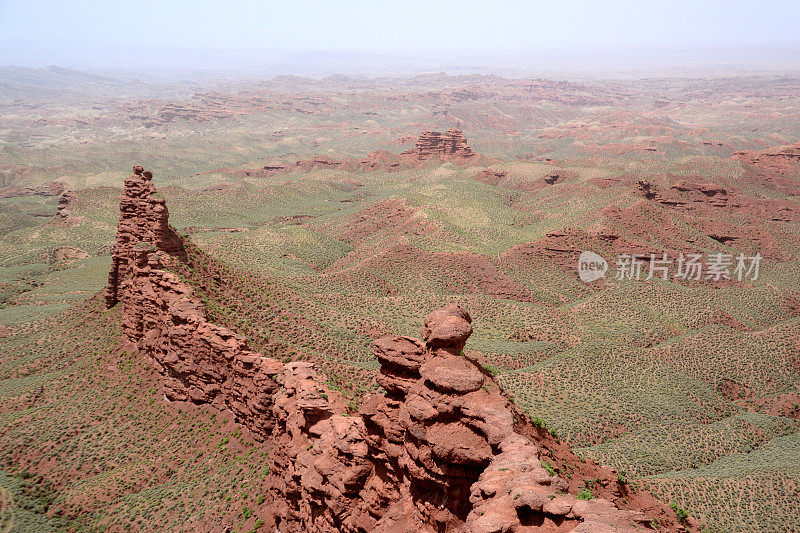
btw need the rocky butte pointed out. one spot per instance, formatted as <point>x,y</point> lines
<point>441,449</point>
<point>450,145</point>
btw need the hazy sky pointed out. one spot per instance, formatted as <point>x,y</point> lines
<point>389,26</point>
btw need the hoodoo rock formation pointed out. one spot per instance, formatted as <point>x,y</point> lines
<point>440,449</point>
<point>450,145</point>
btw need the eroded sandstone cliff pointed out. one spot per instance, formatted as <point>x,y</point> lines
<point>441,448</point>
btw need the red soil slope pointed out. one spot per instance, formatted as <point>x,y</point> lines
<point>777,167</point>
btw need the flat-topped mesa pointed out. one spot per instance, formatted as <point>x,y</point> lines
<point>450,145</point>
<point>144,218</point>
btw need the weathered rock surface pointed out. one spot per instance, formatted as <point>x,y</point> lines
<point>516,493</point>
<point>198,360</point>
<point>66,202</point>
<point>438,451</point>
<point>65,205</point>
<point>143,219</point>
<point>450,145</point>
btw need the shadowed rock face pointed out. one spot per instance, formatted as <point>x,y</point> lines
<point>64,209</point>
<point>437,451</point>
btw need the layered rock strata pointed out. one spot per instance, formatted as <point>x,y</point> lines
<point>777,167</point>
<point>448,145</point>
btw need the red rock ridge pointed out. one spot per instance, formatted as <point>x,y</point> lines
<point>448,146</point>
<point>53,188</point>
<point>143,219</point>
<point>198,361</point>
<point>690,196</point>
<point>440,450</point>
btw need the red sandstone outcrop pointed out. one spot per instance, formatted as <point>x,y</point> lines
<point>211,106</point>
<point>502,178</point>
<point>491,177</point>
<point>707,208</point>
<point>66,202</point>
<point>690,196</point>
<point>450,145</point>
<point>440,450</point>
<point>199,361</point>
<point>564,246</point>
<point>516,493</point>
<point>143,219</point>
<point>394,215</point>
<point>64,211</point>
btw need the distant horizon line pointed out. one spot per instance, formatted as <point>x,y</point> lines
<point>411,52</point>
<point>568,62</point>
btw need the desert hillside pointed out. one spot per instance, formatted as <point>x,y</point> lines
<point>432,303</point>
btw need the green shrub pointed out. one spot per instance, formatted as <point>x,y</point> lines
<point>682,513</point>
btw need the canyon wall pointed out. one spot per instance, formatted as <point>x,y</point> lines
<point>440,448</point>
